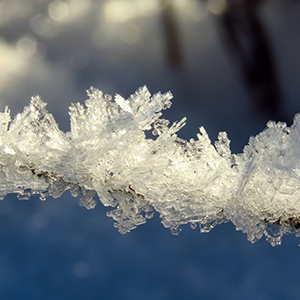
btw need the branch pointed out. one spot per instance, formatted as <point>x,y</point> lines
<point>107,153</point>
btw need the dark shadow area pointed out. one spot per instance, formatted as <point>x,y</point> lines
<point>173,51</point>
<point>248,44</point>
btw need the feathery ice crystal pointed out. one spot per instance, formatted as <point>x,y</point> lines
<point>107,153</point>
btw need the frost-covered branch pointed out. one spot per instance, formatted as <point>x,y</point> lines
<point>107,153</point>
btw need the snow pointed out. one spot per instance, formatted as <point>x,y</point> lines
<point>108,153</point>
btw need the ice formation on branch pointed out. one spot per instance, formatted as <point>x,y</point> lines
<point>107,153</point>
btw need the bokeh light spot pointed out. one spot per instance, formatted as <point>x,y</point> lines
<point>216,7</point>
<point>120,11</point>
<point>44,26</point>
<point>58,10</point>
<point>26,46</point>
<point>130,33</point>
<point>196,11</point>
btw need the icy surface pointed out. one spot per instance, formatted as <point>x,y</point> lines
<point>107,153</point>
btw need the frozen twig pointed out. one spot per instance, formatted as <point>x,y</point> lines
<point>107,153</point>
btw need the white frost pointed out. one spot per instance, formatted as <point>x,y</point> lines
<point>107,152</point>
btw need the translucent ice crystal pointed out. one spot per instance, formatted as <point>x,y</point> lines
<point>107,153</point>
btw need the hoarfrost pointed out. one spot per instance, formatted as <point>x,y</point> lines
<point>107,153</point>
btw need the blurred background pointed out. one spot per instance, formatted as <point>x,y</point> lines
<point>231,65</point>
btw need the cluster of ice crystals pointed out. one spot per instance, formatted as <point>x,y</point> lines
<point>267,199</point>
<point>107,153</point>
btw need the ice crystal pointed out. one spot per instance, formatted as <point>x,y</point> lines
<point>107,153</point>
